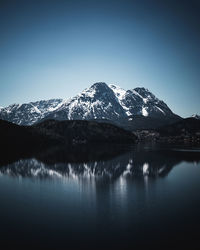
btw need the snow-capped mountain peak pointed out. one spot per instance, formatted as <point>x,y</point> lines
<point>196,116</point>
<point>145,94</point>
<point>95,89</point>
<point>119,92</point>
<point>96,102</point>
<point>99,101</point>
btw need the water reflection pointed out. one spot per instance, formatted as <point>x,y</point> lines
<point>102,163</point>
<point>111,197</point>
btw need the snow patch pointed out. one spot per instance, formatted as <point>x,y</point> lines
<point>128,113</point>
<point>90,92</point>
<point>119,92</point>
<point>36,109</point>
<point>136,93</point>
<point>144,111</point>
<point>51,109</point>
<point>160,110</point>
<point>196,116</point>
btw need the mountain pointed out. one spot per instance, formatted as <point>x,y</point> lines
<point>23,139</point>
<point>96,102</point>
<point>29,113</point>
<point>50,133</point>
<point>75,132</point>
<point>185,127</point>
<point>196,116</point>
<point>17,142</point>
<point>99,102</point>
<point>141,101</point>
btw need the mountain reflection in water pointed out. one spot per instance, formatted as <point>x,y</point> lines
<point>110,197</point>
<point>102,162</point>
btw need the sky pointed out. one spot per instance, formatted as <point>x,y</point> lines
<point>56,48</point>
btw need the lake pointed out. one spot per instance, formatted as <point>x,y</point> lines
<point>139,196</point>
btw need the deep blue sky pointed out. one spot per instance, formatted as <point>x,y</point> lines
<point>55,49</point>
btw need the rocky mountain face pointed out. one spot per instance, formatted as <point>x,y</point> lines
<point>99,102</point>
<point>196,116</point>
<point>96,102</point>
<point>141,101</point>
<point>29,113</point>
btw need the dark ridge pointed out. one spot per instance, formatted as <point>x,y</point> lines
<point>82,132</point>
<point>26,141</point>
<point>187,126</point>
<point>139,122</point>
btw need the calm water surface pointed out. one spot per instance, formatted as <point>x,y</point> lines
<point>146,196</point>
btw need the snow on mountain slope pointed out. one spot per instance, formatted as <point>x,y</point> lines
<point>29,113</point>
<point>100,101</point>
<point>119,92</point>
<point>96,102</point>
<point>196,116</point>
<point>142,102</point>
